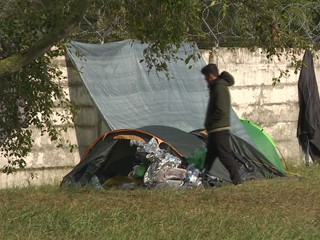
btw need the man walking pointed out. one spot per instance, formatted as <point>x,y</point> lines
<point>217,122</point>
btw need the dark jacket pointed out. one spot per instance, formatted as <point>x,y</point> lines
<point>308,130</point>
<point>218,110</point>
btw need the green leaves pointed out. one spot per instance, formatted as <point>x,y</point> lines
<point>282,28</point>
<point>29,29</point>
<point>35,85</point>
<point>164,25</point>
<point>271,25</point>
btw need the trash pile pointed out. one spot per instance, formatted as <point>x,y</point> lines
<point>157,168</point>
<point>160,169</point>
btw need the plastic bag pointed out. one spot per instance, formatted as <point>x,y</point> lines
<point>158,164</point>
<point>168,173</point>
<point>140,170</point>
<point>198,158</point>
<point>193,176</point>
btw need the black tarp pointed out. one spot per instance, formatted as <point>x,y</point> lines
<point>308,131</point>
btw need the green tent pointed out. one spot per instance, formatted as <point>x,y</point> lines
<point>264,143</point>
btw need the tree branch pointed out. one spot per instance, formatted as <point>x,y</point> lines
<point>63,28</point>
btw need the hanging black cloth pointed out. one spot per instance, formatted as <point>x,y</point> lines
<point>308,131</point>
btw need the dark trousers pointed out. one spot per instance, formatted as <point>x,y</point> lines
<point>219,146</point>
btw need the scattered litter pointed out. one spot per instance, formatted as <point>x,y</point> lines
<point>154,167</point>
<point>193,176</point>
<point>164,169</point>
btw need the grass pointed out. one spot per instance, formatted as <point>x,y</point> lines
<point>287,208</point>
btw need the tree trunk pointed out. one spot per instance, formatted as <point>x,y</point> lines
<point>64,27</point>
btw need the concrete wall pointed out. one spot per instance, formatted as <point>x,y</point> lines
<point>89,123</point>
<point>254,98</point>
